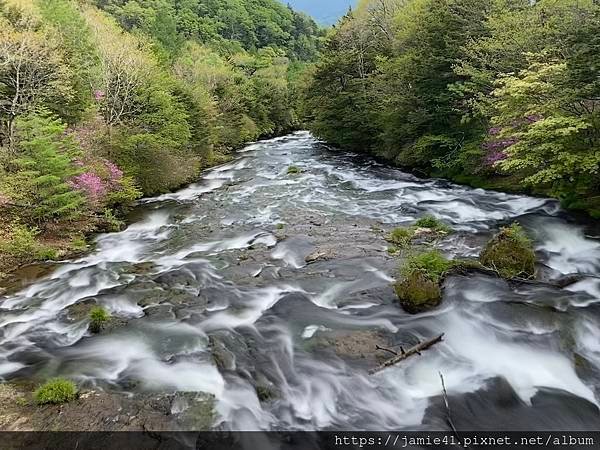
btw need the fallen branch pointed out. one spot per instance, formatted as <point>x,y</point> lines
<point>378,347</point>
<point>416,350</point>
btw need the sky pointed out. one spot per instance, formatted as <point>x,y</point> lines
<point>326,12</point>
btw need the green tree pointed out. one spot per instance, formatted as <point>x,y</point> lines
<point>42,170</point>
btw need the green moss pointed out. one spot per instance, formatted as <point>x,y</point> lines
<point>433,224</point>
<point>98,318</point>
<point>57,390</point>
<point>401,236</point>
<point>293,170</point>
<point>510,253</point>
<point>393,250</point>
<point>280,226</point>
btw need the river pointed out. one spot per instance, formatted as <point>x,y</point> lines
<point>210,292</point>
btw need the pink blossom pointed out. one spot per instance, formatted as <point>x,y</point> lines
<point>91,185</point>
<point>99,95</point>
<point>494,156</point>
<point>115,174</point>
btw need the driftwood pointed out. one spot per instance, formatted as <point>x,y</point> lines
<point>416,350</point>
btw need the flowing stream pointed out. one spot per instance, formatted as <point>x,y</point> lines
<point>210,292</point>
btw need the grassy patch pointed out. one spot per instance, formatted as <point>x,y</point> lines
<point>510,253</point>
<point>433,223</point>
<point>401,236</point>
<point>56,391</point>
<point>293,170</point>
<point>432,263</point>
<point>98,318</point>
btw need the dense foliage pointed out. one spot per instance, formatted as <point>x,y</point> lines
<point>104,101</point>
<point>501,93</point>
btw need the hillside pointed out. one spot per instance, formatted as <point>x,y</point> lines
<point>104,101</point>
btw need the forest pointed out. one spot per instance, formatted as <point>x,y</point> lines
<point>501,94</point>
<point>102,102</point>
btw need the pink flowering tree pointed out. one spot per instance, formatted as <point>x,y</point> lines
<point>98,180</point>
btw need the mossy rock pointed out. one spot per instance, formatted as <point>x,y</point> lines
<point>510,253</point>
<point>417,292</point>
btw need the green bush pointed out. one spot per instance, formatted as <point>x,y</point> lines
<point>401,236</point>
<point>433,224</point>
<point>56,391</point>
<point>98,319</point>
<point>510,253</point>
<point>110,222</point>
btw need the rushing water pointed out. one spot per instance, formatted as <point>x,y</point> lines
<point>210,265</point>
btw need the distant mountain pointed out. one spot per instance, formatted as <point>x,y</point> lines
<point>326,12</point>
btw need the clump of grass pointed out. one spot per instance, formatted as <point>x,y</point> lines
<point>401,236</point>
<point>280,226</point>
<point>55,391</point>
<point>432,263</point>
<point>98,318</point>
<point>392,250</point>
<point>293,170</point>
<point>433,223</point>
<point>419,289</point>
<point>510,253</point>
<point>45,253</point>
<point>79,243</point>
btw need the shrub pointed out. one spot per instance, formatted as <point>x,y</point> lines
<point>56,391</point>
<point>433,224</point>
<point>20,242</point>
<point>510,253</point>
<point>98,319</point>
<point>110,222</point>
<point>401,236</point>
<point>293,170</point>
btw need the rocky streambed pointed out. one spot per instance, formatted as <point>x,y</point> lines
<point>258,297</point>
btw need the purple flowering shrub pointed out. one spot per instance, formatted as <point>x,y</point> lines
<point>101,181</point>
<point>495,146</point>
